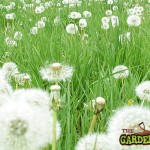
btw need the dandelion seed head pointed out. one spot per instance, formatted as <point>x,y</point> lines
<point>56,72</point>
<point>134,20</point>
<point>34,30</point>
<point>115,8</point>
<point>35,97</point>
<point>18,35</point>
<point>4,98</point>
<point>105,20</point>
<point>74,15</point>
<point>10,68</point>
<point>143,90</point>
<point>24,127</point>
<point>40,24</point>
<point>72,28</point>
<point>2,75</point>
<point>10,42</point>
<point>18,127</point>
<point>108,12</point>
<point>127,118</point>
<point>93,141</point>
<point>120,72</point>
<point>10,16</point>
<point>56,20</point>
<point>5,88</point>
<point>110,2</point>
<point>87,14</point>
<point>44,19</point>
<point>39,9</point>
<point>82,23</point>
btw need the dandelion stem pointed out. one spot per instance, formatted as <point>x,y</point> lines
<point>93,123</point>
<point>16,84</point>
<point>27,84</point>
<point>55,89</point>
<point>142,103</point>
<point>5,26</point>
<point>54,129</point>
<point>122,88</point>
<point>68,114</point>
<point>13,24</point>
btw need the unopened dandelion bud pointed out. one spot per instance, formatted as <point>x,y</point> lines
<point>120,72</point>
<point>99,104</point>
<point>26,77</point>
<point>55,96</point>
<point>55,100</point>
<point>55,88</point>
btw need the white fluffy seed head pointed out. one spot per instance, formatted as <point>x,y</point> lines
<point>82,23</point>
<point>56,72</point>
<point>5,88</point>
<point>10,68</point>
<point>24,127</point>
<point>10,42</point>
<point>94,142</point>
<point>143,90</point>
<point>72,28</point>
<point>10,16</point>
<point>108,12</point>
<point>4,99</point>
<point>40,24</point>
<point>105,20</point>
<point>87,14</point>
<point>74,15</point>
<point>2,75</point>
<point>134,20</point>
<point>18,35</point>
<point>39,9</point>
<point>35,97</point>
<point>128,118</point>
<point>34,30</point>
<point>120,72</point>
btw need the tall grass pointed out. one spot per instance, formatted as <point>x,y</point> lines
<point>93,62</point>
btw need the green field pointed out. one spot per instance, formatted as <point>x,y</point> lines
<point>93,59</point>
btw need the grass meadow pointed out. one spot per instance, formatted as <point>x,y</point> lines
<point>92,60</point>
